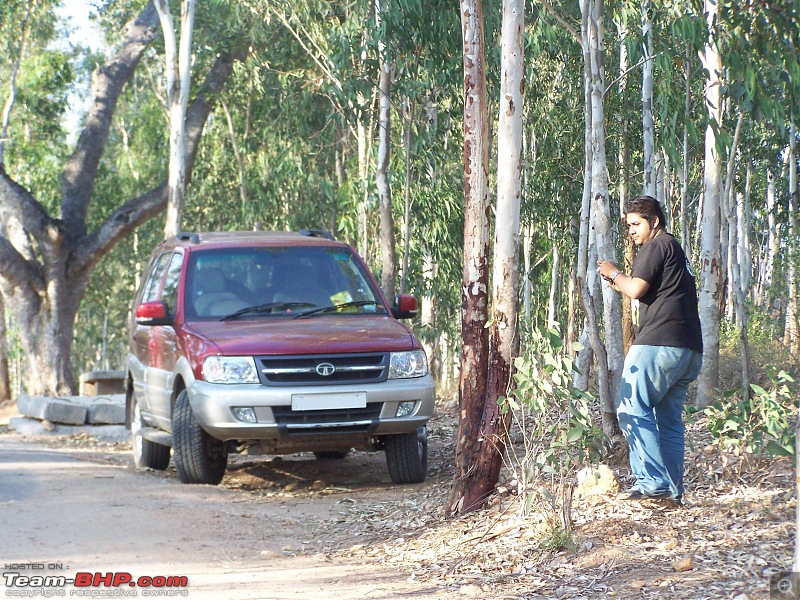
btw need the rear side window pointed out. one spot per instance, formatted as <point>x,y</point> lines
<point>153,281</point>
<point>169,293</point>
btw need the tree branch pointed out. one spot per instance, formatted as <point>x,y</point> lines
<point>549,8</point>
<point>16,271</point>
<point>137,211</point>
<point>108,81</point>
<point>18,204</point>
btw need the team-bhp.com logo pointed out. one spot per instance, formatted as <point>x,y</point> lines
<point>94,585</point>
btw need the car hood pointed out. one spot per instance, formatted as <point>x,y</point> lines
<point>322,334</point>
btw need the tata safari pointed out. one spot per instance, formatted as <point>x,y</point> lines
<point>273,343</point>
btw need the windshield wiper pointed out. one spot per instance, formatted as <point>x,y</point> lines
<point>335,307</point>
<point>264,308</point>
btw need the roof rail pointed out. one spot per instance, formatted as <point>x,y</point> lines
<point>185,235</point>
<point>320,233</point>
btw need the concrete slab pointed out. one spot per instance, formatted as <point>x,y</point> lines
<point>56,410</point>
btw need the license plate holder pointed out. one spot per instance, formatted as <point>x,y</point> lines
<point>335,401</point>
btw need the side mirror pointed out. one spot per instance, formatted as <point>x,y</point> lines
<point>405,306</point>
<point>153,313</point>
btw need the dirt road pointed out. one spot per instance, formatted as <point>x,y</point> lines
<point>61,515</point>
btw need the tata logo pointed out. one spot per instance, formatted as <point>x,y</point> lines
<point>325,369</point>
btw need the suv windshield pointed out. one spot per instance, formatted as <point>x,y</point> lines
<point>264,282</point>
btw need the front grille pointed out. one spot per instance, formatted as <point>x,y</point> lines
<point>311,370</point>
<point>351,420</point>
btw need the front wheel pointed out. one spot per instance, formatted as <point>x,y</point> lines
<point>407,456</point>
<point>146,454</point>
<point>198,457</point>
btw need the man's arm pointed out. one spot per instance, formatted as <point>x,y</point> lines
<point>632,287</point>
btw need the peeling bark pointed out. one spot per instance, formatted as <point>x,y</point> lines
<point>475,283</point>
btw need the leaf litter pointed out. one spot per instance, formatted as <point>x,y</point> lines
<point>735,530</point>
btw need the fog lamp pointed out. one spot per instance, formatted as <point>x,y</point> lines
<point>405,408</point>
<point>245,414</point>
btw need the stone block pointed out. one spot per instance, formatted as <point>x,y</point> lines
<point>34,407</point>
<point>55,410</point>
<point>106,411</point>
<point>98,383</point>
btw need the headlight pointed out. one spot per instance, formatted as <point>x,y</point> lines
<point>230,369</point>
<point>408,364</point>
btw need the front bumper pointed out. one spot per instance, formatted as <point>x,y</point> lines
<point>213,405</point>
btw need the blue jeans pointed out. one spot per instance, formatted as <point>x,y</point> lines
<point>654,383</point>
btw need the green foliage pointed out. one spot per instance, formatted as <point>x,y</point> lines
<point>761,425</point>
<point>554,418</point>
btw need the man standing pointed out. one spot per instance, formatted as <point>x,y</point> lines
<point>666,354</point>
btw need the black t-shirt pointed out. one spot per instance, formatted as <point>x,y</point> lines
<point>668,311</point>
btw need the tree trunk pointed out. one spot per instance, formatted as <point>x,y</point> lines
<point>623,176</point>
<point>552,297</point>
<point>237,155</point>
<point>612,303</point>
<point>585,277</point>
<point>740,283</point>
<point>5,373</point>
<point>686,240</point>
<point>5,377</point>
<point>710,260</point>
<point>388,271</point>
<point>729,234</point>
<point>474,311</point>
<point>43,288</point>
<point>791,337</point>
<point>427,315</point>
<point>407,117</point>
<point>527,291</point>
<point>773,245</point>
<point>178,71</point>
<point>505,277</point>
<point>648,127</point>
<point>572,291</point>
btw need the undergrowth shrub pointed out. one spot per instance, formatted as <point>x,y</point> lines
<point>555,434</point>
<point>761,425</point>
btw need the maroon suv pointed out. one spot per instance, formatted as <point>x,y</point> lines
<point>271,342</point>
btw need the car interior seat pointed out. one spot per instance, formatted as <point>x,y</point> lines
<point>213,296</point>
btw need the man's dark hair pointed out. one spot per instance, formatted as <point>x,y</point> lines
<point>648,207</point>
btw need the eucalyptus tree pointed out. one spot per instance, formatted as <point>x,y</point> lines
<point>475,281</point>
<point>489,447</point>
<point>388,258</point>
<point>710,257</point>
<point>593,42</point>
<point>752,54</point>
<point>178,69</point>
<point>46,261</point>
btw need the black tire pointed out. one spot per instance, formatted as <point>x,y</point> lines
<point>407,456</point>
<point>198,457</point>
<point>146,454</point>
<point>331,454</point>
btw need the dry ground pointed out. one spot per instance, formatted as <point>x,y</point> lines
<point>735,530</point>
